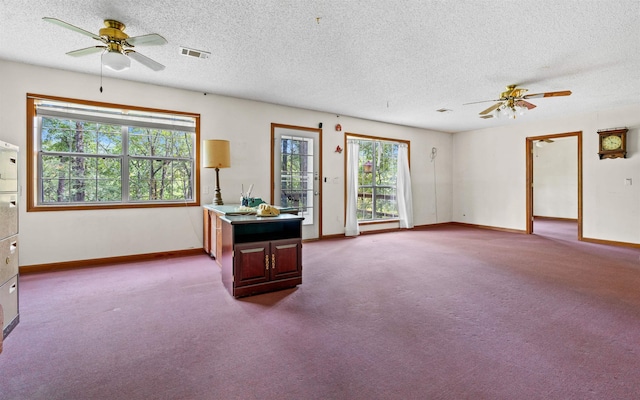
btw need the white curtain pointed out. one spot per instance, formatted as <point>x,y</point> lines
<point>403,189</point>
<point>351,224</point>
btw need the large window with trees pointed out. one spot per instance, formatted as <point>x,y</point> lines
<point>98,155</point>
<point>377,179</point>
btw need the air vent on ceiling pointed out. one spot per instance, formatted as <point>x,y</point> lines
<point>185,51</point>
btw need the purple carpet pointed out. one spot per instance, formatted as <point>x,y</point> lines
<point>447,312</point>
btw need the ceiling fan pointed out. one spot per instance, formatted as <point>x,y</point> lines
<point>514,101</point>
<point>116,45</point>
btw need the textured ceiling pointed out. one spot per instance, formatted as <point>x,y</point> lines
<point>385,60</point>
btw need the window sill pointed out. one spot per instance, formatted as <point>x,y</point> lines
<point>379,221</point>
<point>78,207</point>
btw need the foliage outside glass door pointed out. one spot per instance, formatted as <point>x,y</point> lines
<point>377,175</point>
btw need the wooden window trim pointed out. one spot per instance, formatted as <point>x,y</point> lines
<point>32,157</point>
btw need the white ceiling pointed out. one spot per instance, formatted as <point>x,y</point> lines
<point>384,60</point>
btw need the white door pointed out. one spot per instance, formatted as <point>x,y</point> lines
<point>296,174</point>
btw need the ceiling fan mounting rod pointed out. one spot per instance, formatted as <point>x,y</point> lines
<point>512,92</point>
<point>115,47</point>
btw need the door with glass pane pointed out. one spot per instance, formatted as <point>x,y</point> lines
<point>377,180</point>
<point>296,174</point>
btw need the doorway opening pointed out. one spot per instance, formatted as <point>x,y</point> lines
<point>534,148</point>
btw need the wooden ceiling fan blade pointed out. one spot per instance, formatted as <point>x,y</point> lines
<point>86,51</point>
<point>522,103</point>
<point>74,28</point>
<point>547,94</point>
<point>144,60</point>
<point>152,39</point>
<point>493,107</point>
<point>486,116</point>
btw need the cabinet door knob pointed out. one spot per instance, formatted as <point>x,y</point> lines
<point>273,261</point>
<point>266,262</point>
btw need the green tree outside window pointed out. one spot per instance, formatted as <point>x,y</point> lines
<point>377,175</point>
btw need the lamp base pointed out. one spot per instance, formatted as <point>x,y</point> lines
<point>218,198</point>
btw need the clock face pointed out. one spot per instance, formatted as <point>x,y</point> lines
<point>611,142</point>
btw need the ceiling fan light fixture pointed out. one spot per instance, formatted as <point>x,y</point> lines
<point>116,61</point>
<point>522,110</point>
<point>508,112</point>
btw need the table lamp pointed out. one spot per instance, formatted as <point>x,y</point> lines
<point>216,155</point>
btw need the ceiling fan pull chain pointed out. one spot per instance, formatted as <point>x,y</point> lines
<point>101,72</point>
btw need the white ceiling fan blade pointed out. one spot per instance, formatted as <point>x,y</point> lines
<point>483,101</point>
<point>152,39</point>
<point>72,27</point>
<point>144,60</point>
<point>86,51</point>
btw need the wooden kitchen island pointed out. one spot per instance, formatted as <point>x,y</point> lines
<point>256,254</point>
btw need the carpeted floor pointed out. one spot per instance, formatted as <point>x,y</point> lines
<point>447,312</point>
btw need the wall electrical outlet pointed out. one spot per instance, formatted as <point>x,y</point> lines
<point>627,182</point>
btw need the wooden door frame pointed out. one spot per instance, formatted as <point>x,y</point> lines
<point>300,128</point>
<point>529,157</point>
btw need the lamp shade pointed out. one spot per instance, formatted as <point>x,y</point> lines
<point>115,60</point>
<point>216,154</point>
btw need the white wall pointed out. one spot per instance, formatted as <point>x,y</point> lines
<point>555,179</point>
<point>489,175</point>
<point>49,237</point>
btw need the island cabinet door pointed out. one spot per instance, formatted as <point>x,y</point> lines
<point>206,231</point>
<point>286,259</point>
<point>251,263</point>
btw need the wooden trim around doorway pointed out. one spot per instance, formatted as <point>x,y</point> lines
<point>529,180</point>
